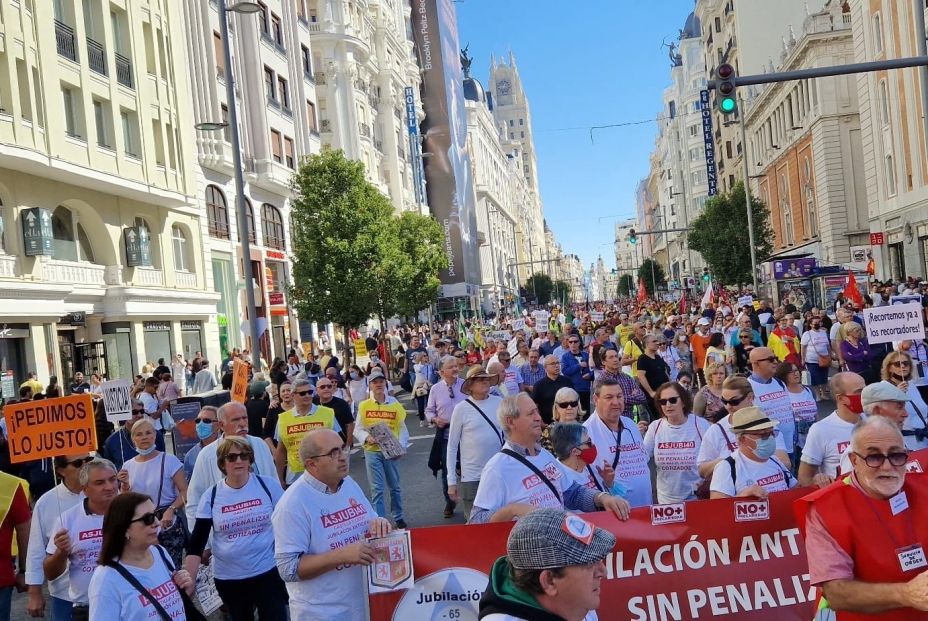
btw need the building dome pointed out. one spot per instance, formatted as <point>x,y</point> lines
<point>692,28</point>
<point>473,91</point>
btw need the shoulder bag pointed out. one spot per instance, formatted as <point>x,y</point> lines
<point>190,609</point>
<point>535,471</point>
<point>496,430</point>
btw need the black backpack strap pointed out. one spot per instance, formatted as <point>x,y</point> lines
<point>265,488</point>
<point>489,422</point>
<point>167,561</point>
<point>534,470</point>
<point>734,476</point>
<point>122,571</point>
<point>212,497</point>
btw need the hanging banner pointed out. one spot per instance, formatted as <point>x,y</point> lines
<point>239,390</point>
<point>708,142</point>
<point>49,427</point>
<point>737,559</point>
<point>116,400</point>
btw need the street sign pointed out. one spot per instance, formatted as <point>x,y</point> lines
<point>276,298</point>
<point>877,239</point>
<point>37,231</point>
<point>138,247</point>
<point>708,142</point>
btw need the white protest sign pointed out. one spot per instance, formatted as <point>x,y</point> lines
<point>513,347</point>
<point>206,590</point>
<point>518,324</point>
<point>745,300</point>
<point>597,317</point>
<point>541,316</point>
<point>501,335</point>
<point>897,322</point>
<point>116,400</point>
<point>906,299</point>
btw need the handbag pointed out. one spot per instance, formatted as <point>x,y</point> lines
<point>190,609</point>
<point>175,536</point>
<point>167,421</point>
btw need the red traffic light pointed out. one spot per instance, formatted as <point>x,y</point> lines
<point>724,71</point>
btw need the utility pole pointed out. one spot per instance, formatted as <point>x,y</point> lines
<point>747,194</point>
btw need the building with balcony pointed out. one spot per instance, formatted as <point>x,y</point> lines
<point>277,106</point>
<point>363,60</point>
<point>100,261</point>
<point>805,146</point>
<point>572,271</point>
<point>626,254</point>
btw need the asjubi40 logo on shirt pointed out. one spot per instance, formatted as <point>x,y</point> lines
<point>751,510</point>
<point>668,514</point>
<point>353,510</point>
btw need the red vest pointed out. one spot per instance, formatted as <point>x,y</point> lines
<point>862,527</point>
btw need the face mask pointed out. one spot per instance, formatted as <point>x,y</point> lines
<point>619,489</point>
<point>854,404</point>
<point>765,447</point>
<point>588,455</point>
<point>354,375</point>
<point>204,430</point>
<point>147,451</point>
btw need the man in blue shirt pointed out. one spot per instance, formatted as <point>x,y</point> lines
<point>575,365</point>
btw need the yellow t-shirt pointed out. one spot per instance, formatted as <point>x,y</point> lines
<point>370,413</point>
<point>291,429</point>
<point>625,333</point>
<point>631,349</point>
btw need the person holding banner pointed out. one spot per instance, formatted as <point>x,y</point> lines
<point>78,534</point>
<point>865,534</point>
<point>503,494</point>
<point>118,448</point>
<point>44,515</point>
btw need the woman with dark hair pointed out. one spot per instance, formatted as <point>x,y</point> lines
<point>134,573</point>
<point>53,389</point>
<point>715,350</point>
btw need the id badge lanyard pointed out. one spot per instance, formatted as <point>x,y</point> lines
<point>911,556</point>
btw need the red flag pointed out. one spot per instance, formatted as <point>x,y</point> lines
<point>683,302</point>
<point>642,292</point>
<point>851,292</point>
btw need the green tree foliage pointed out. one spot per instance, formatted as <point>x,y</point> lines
<point>652,278</point>
<point>541,286</point>
<point>720,235</point>
<point>626,285</point>
<point>561,291</point>
<point>416,258</point>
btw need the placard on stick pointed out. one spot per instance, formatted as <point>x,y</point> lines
<point>117,400</point>
<point>49,427</point>
<point>239,390</point>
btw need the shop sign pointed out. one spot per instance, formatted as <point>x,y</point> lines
<point>877,239</point>
<point>157,326</point>
<point>276,298</point>
<point>13,333</point>
<point>37,232</point>
<point>275,254</point>
<point>190,325</point>
<point>138,247</point>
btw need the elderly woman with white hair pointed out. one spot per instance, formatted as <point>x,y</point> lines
<point>577,455</point>
<point>566,409</point>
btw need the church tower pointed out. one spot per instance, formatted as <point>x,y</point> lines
<point>513,116</point>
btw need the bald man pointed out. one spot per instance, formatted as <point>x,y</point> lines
<point>830,438</point>
<point>770,394</point>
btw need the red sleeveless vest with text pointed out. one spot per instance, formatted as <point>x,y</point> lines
<point>868,531</point>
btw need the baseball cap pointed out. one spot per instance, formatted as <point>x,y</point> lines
<point>376,374</point>
<point>882,391</point>
<point>551,538</point>
<point>703,321</point>
<point>751,419</point>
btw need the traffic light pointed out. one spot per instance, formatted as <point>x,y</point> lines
<point>632,237</point>
<point>725,88</point>
<point>705,275</point>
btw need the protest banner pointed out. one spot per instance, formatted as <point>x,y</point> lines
<point>360,348</point>
<point>117,400</point>
<point>905,299</point>
<point>512,347</point>
<point>8,386</point>
<point>49,427</point>
<point>501,335</point>
<point>898,322</point>
<point>541,316</point>
<point>745,300</point>
<point>392,567</point>
<point>184,411</point>
<point>518,324</point>
<point>732,559</point>
<point>597,317</point>
<point>239,390</point>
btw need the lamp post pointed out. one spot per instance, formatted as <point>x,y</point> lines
<point>244,8</point>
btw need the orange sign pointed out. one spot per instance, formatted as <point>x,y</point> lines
<point>239,381</point>
<point>50,427</point>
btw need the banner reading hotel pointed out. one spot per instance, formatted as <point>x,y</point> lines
<point>716,559</point>
<point>447,170</point>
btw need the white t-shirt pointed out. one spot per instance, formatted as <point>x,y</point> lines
<point>773,399</point>
<point>715,446</point>
<point>513,380</point>
<point>145,477</point>
<point>805,411</point>
<point>151,404</point>
<point>816,343</point>
<point>768,474</point>
<point>674,449</point>
<point>632,467</point>
<point>584,477</point>
<point>243,539</point>
<point>506,480</point>
<point>827,441</point>
<point>307,521</point>
<point>44,516</point>
<point>86,533</point>
<point>112,597</point>
<point>477,439</point>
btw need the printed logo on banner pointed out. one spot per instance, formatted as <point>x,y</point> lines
<point>392,564</point>
<point>913,466</point>
<point>668,514</point>
<point>752,510</point>
<point>452,593</point>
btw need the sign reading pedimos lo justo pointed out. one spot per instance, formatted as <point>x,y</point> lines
<point>49,427</point>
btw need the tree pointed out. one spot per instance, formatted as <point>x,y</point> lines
<point>626,286</point>
<point>652,278</point>
<point>720,235</point>
<point>561,291</point>
<point>417,255</point>
<point>541,286</point>
<point>340,227</point>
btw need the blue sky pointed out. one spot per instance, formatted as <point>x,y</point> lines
<point>583,63</point>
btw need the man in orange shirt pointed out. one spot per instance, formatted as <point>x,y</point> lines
<point>699,342</point>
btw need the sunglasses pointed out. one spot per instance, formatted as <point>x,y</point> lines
<point>772,359</point>
<point>138,412</point>
<point>900,363</point>
<point>208,421</point>
<point>323,386</point>
<point>233,457</point>
<point>148,519</point>
<point>303,393</point>
<point>573,342</point>
<point>568,404</point>
<point>875,460</point>
<point>670,400</point>
<point>79,463</point>
<point>734,401</point>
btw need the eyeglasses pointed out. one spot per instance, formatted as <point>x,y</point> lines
<point>670,400</point>
<point>461,356</point>
<point>900,363</point>
<point>875,460</point>
<point>208,421</point>
<point>573,342</point>
<point>303,393</point>
<point>763,435</point>
<point>733,401</point>
<point>772,359</point>
<point>138,412</point>
<point>745,336</point>
<point>148,519</point>
<point>79,463</point>
<point>233,457</point>
<point>323,386</point>
<point>333,454</point>
<point>568,404</point>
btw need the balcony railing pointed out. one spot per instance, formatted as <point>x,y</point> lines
<point>96,57</point>
<point>74,272</point>
<point>64,37</point>
<point>124,71</point>
<point>365,130</point>
<point>149,277</point>
<point>186,280</point>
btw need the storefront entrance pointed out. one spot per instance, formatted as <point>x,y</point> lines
<point>84,357</point>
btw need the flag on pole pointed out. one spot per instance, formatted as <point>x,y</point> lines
<point>851,292</point>
<point>708,297</point>
<point>642,292</point>
<point>683,302</point>
<point>462,329</point>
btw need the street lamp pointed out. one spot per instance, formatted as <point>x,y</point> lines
<point>242,8</point>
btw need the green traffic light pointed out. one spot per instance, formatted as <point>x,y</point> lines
<point>633,240</point>
<point>728,104</point>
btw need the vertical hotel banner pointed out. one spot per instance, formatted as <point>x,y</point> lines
<point>447,170</point>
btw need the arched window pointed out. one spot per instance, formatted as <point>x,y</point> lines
<point>785,210</point>
<point>145,230</point>
<point>217,213</point>
<point>273,227</point>
<point>182,261</point>
<point>811,213</point>
<point>884,103</point>
<point>877,34</point>
<point>250,216</point>
<point>69,239</point>
<point>890,165</point>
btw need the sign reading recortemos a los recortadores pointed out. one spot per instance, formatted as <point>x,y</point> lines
<point>896,322</point>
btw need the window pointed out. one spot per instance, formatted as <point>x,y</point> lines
<point>307,61</point>
<point>130,137</point>
<point>301,9</point>
<point>521,121</point>
<point>100,110</point>
<point>284,91</point>
<point>884,103</point>
<point>311,114</point>
<point>276,146</point>
<point>69,239</point>
<point>272,227</point>
<point>288,152</point>
<point>181,258</point>
<point>694,131</point>
<point>270,86</point>
<point>220,56</point>
<point>265,26</point>
<point>250,223</point>
<point>811,215</point>
<point>73,125</point>
<point>277,30</point>
<point>786,213</point>
<point>217,213</point>
<point>890,171</point>
<point>227,130</point>
<point>877,34</point>
<point>511,122</point>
